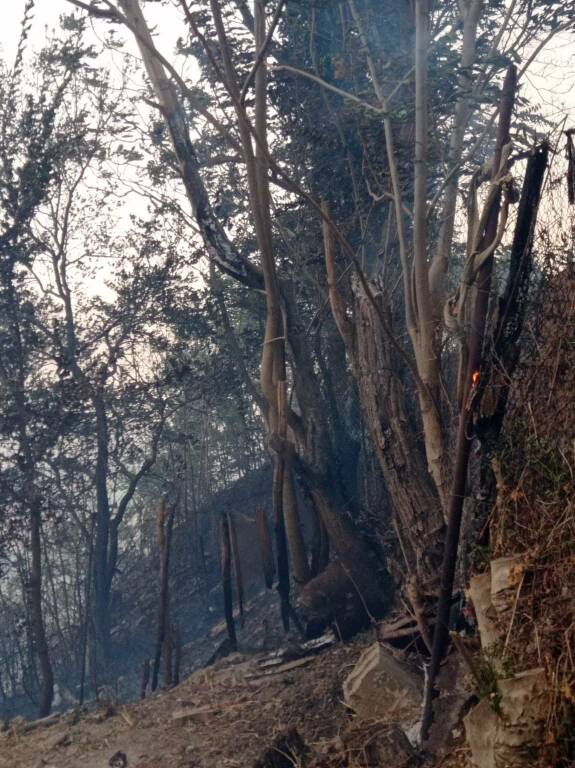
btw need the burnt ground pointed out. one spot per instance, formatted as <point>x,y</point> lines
<point>227,715</point>
<point>224,716</point>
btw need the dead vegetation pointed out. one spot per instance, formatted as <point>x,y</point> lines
<point>535,512</point>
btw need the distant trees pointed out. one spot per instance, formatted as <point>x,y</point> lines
<point>33,415</point>
<point>64,352</point>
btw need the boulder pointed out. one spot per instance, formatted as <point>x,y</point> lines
<point>508,733</point>
<point>381,687</point>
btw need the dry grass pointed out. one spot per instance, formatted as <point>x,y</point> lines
<point>535,511</point>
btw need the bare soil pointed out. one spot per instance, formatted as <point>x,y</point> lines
<point>224,716</point>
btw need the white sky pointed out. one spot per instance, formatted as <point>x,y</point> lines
<point>47,12</point>
<point>551,80</point>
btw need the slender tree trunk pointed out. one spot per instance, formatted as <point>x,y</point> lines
<point>226,569</point>
<point>237,566</point>
<point>465,429</point>
<point>266,549</point>
<point>165,522</point>
<point>38,626</point>
<point>87,613</point>
<point>177,654</point>
<point>145,678</point>
<point>102,622</point>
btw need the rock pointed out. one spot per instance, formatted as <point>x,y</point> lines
<point>480,594</point>
<point>382,688</point>
<point>511,736</point>
<point>506,576</point>
<point>118,760</point>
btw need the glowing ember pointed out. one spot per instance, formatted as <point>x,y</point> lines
<point>475,377</point>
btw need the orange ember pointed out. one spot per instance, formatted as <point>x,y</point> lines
<point>475,377</point>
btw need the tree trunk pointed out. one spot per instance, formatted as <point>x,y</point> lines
<point>376,368</point>
<point>165,522</point>
<point>102,621</point>
<point>482,286</point>
<point>237,566</point>
<point>416,506</point>
<point>298,556</point>
<point>37,616</point>
<point>226,569</point>
<point>266,549</point>
<point>87,614</point>
<point>145,678</point>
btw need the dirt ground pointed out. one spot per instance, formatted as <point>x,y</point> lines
<point>221,717</point>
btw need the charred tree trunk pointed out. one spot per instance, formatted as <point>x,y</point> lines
<point>237,567</point>
<point>503,351</point>
<point>145,678</point>
<point>87,614</point>
<point>465,429</point>
<point>177,637</point>
<point>165,522</point>
<point>168,659</point>
<point>376,368</point>
<point>320,544</point>
<point>266,549</point>
<point>298,556</point>
<point>416,506</point>
<point>282,555</point>
<point>226,569</point>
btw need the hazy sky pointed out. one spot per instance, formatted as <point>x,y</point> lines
<point>46,15</point>
<point>555,85</point>
<point>550,83</point>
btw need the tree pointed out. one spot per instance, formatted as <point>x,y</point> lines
<point>399,244</point>
<point>32,145</point>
